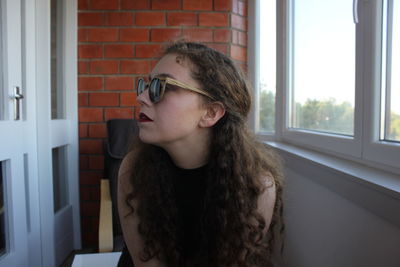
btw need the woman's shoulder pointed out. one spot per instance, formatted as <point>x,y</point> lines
<point>125,171</point>
<point>126,164</point>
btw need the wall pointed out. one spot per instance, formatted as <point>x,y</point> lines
<point>333,220</point>
<point>120,40</point>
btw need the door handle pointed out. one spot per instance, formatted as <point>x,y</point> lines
<point>18,96</point>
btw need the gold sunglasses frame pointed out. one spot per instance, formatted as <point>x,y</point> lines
<point>167,80</point>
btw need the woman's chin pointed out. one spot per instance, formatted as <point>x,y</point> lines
<point>145,138</point>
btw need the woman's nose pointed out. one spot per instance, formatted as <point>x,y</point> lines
<point>144,98</point>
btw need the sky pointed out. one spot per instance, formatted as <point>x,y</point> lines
<point>324,58</point>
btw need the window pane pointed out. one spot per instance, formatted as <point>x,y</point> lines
<point>267,65</point>
<point>57,89</point>
<point>60,188</point>
<point>3,236</point>
<point>323,66</point>
<point>391,79</point>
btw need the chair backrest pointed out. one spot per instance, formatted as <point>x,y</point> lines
<point>120,134</point>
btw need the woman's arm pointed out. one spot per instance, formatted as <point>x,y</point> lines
<point>266,201</point>
<point>130,221</point>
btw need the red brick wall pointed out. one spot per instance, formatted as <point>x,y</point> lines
<point>119,40</point>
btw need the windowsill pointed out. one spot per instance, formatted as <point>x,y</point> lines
<point>374,189</point>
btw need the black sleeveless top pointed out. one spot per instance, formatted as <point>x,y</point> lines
<point>190,187</point>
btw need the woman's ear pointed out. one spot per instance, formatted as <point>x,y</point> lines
<point>214,112</point>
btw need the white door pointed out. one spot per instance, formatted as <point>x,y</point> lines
<point>39,190</point>
<point>17,142</point>
<point>57,128</point>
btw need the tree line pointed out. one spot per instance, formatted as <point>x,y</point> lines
<point>319,115</point>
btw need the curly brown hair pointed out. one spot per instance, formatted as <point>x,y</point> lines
<point>232,229</point>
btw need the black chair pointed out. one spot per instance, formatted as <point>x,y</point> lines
<point>120,134</point>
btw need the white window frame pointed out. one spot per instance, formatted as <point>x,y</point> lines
<point>365,146</point>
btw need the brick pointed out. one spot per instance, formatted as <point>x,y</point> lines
<point>197,5</point>
<point>104,99</point>
<point>105,4</point>
<point>89,239</point>
<point>104,67</point>
<point>242,8</point>
<point>242,38</point>
<point>90,83</point>
<point>102,35</point>
<point>135,4</point>
<point>90,19</point>
<point>134,35</point>
<point>91,146</point>
<point>150,18</point>
<point>165,35</point>
<point>214,19</point>
<point>83,67</point>
<point>89,177</point>
<point>89,193</point>
<point>223,48</point>
<point>90,208</point>
<point>118,113</point>
<point>96,162</point>
<point>83,130</point>
<point>238,53</point>
<point>90,114</point>
<point>182,19</point>
<point>119,19</point>
<point>235,6</point>
<point>118,51</point>
<point>153,63</point>
<point>166,4</point>
<point>82,35</point>
<point>235,36</point>
<point>238,22</point>
<point>198,35</point>
<point>243,67</point>
<point>83,99</point>
<point>83,162</point>
<point>148,50</point>
<point>118,83</point>
<point>129,99</point>
<point>222,36</point>
<point>84,195</point>
<point>135,67</point>
<point>223,5</point>
<point>90,51</point>
<point>97,130</point>
<point>83,4</point>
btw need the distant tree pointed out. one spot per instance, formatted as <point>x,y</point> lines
<point>325,115</point>
<point>267,110</point>
<point>394,127</point>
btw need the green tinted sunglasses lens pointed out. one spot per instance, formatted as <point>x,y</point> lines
<point>141,86</point>
<point>155,90</point>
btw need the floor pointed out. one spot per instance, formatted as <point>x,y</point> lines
<point>69,260</point>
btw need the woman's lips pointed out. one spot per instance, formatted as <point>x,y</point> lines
<point>143,118</point>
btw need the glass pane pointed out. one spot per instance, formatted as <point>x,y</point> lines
<point>267,65</point>
<point>60,186</point>
<point>3,232</point>
<point>2,87</point>
<point>391,84</point>
<point>323,66</point>
<point>57,88</point>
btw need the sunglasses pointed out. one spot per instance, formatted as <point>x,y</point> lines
<point>157,88</point>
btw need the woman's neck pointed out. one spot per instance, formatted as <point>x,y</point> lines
<point>190,154</point>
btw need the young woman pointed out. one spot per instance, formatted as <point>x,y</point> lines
<point>197,189</point>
